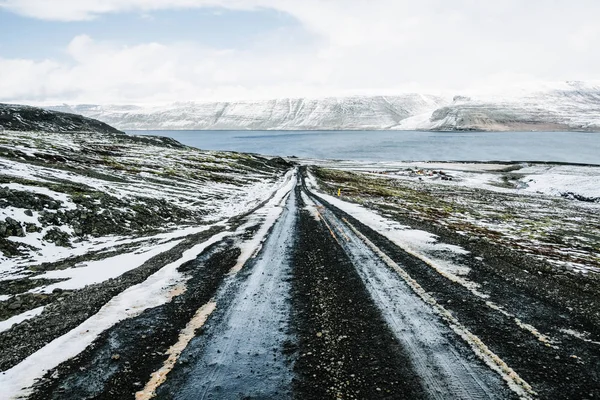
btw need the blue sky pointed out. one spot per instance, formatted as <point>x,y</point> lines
<point>157,51</point>
<point>36,39</point>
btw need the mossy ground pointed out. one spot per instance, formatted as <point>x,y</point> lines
<point>562,232</point>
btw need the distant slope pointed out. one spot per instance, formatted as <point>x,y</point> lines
<point>558,106</point>
<point>359,112</point>
<point>25,118</point>
<point>568,106</point>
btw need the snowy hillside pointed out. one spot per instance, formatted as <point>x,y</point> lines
<point>558,106</point>
<point>561,107</point>
<point>81,208</point>
<point>63,195</point>
<point>137,267</point>
<point>330,113</point>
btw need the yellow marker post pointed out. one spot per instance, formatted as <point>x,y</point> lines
<point>339,192</point>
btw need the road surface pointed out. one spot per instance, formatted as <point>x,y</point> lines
<point>324,308</point>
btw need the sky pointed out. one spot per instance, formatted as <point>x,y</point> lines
<point>159,51</point>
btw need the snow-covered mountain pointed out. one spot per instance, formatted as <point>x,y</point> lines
<point>377,112</point>
<point>566,106</point>
<point>561,106</point>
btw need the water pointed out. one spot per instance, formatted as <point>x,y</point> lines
<point>574,147</point>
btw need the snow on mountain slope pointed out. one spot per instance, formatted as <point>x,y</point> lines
<point>561,106</point>
<point>378,112</point>
<point>565,106</point>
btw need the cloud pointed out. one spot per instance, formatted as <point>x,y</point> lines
<point>586,38</point>
<point>359,46</point>
<point>153,72</point>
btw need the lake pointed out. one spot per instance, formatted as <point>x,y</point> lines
<point>574,147</point>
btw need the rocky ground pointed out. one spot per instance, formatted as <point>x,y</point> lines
<point>494,205</point>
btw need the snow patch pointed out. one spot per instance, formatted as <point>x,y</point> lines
<point>153,292</point>
<point>559,180</point>
<point>310,206</point>
<point>99,271</point>
<point>62,197</point>
<point>17,319</point>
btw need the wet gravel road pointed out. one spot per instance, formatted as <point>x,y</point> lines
<point>326,309</point>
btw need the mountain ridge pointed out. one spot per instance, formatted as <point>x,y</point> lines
<point>355,112</point>
<point>26,118</point>
<point>568,106</point>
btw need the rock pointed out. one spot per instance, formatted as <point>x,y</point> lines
<point>29,213</point>
<point>15,306</point>
<point>12,227</point>
<point>569,268</point>
<point>115,357</point>
<point>58,237</point>
<point>280,162</point>
<point>77,230</point>
<point>29,228</point>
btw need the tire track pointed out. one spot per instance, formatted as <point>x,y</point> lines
<point>241,352</point>
<point>346,350</point>
<point>446,367</point>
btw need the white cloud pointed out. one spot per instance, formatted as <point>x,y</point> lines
<point>152,72</point>
<point>586,38</point>
<point>360,46</point>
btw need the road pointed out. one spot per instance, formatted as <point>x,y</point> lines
<point>325,309</point>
